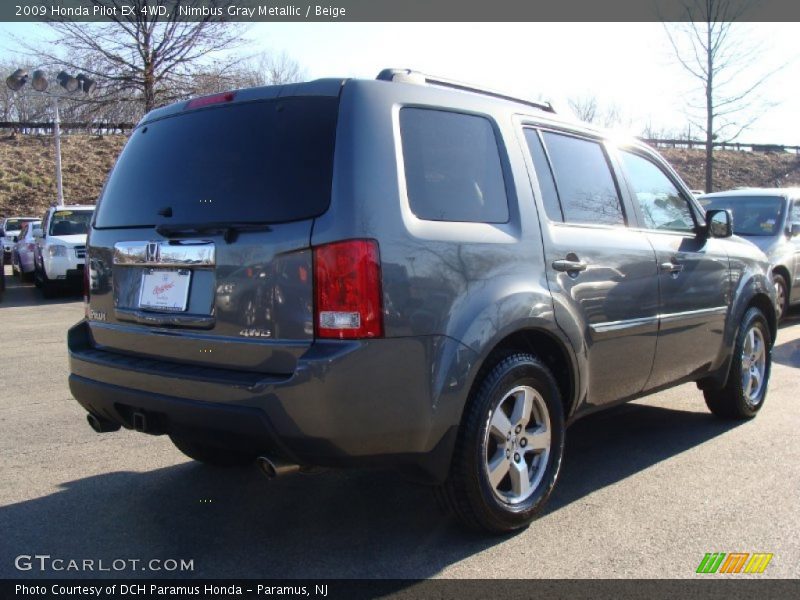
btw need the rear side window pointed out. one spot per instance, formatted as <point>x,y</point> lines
<point>452,167</point>
<point>585,185</point>
<point>265,161</point>
<point>544,175</point>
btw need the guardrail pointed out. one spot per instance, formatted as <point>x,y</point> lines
<point>737,146</point>
<point>39,127</point>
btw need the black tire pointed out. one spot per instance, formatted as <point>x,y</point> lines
<point>732,401</point>
<point>467,492</point>
<point>211,455</point>
<point>782,295</point>
<point>48,288</point>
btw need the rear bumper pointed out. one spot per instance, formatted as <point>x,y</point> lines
<point>348,403</point>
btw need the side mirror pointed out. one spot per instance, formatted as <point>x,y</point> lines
<point>15,239</point>
<point>795,230</point>
<point>719,223</point>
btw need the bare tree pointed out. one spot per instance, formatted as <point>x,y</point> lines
<point>587,108</point>
<point>265,68</point>
<point>142,57</point>
<point>713,51</point>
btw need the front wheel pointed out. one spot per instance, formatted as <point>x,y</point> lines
<point>781,296</point>
<point>509,447</point>
<point>746,388</point>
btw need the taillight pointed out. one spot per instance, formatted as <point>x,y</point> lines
<point>347,286</point>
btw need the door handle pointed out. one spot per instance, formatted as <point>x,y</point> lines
<point>569,266</point>
<point>671,268</point>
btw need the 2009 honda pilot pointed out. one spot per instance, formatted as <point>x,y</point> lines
<point>405,272</point>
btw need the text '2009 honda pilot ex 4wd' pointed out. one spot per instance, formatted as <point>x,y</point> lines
<point>404,272</point>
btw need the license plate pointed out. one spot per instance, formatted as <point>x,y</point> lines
<point>165,290</point>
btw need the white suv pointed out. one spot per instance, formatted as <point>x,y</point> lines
<point>61,247</point>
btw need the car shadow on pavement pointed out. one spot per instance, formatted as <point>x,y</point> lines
<point>347,524</point>
<point>787,353</point>
<point>792,317</point>
<point>20,293</point>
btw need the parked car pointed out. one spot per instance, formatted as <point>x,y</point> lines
<point>10,227</point>
<point>22,254</point>
<point>2,274</point>
<point>770,219</point>
<point>60,251</point>
<point>477,274</point>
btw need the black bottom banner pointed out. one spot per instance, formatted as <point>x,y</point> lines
<point>440,589</point>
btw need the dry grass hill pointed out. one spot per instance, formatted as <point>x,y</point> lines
<point>27,179</point>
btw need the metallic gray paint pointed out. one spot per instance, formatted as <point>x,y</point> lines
<point>452,293</point>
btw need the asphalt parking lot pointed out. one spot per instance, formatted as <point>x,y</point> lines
<point>646,490</point>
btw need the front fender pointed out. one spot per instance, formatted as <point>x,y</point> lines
<point>752,283</point>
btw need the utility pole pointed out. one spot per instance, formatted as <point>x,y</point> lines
<point>19,78</point>
<point>57,135</point>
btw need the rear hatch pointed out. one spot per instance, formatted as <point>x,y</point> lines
<point>200,251</point>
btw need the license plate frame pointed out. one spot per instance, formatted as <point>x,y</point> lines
<point>173,295</point>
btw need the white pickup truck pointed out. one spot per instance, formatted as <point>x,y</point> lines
<point>61,248</point>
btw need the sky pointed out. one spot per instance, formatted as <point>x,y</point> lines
<point>630,65</point>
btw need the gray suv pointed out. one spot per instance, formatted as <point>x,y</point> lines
<point>442,279</point>
<point>770,219</point>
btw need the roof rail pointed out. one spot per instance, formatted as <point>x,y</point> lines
<point>409,76</point>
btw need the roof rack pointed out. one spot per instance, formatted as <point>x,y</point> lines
<point>409,76</point>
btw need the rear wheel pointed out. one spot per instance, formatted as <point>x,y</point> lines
<point>509,448</point>
<point>781,295</point>
<point>211,455</point>
<point>746,388</point>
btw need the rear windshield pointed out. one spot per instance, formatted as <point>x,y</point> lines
<point>70,222</point>
<point>752,215</point>
<point>267,161</point>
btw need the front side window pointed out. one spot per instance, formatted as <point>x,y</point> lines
<point>452,167</point>
<point>586,187</point>
<point>661,204</point>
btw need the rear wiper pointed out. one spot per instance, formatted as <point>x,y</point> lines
<point>230,230</point>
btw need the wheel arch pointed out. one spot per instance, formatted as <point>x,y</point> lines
<point>545,345</point>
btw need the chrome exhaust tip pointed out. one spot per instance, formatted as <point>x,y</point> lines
<point>274,467</point>
<point>101,425</point>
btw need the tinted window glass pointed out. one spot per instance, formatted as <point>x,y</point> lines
<point>15,224</point>
<point>661,204</point>
<point>544,175</point>
<point>752,215</point>
<point>70,222</point>
<point>452,167</point>
<point>586,187</point>
<point>266,161</point>
<point>796,212</point>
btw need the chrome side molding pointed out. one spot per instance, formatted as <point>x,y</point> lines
<point>172,253</point>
